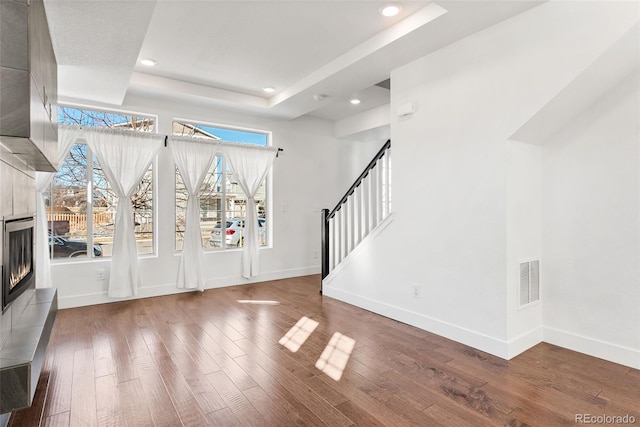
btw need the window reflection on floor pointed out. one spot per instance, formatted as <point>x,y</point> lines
<point>297,335</point>
<point>335,356</point>
<point>258,301</point>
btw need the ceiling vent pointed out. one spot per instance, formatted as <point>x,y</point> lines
<point>529,285</point>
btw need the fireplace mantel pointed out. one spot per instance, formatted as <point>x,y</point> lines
<point>22,353</point>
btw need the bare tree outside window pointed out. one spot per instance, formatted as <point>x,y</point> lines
<point>78,220</point>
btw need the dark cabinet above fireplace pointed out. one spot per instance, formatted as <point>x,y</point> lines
<point>28,84</point>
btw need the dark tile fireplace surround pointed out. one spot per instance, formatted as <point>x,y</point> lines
<point>26,321</point>
<point>27,317</point>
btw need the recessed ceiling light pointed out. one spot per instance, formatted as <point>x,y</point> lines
<point>355,101</point>
<point>391,9</point>
<point>148,62</point>
<point>269,89</point>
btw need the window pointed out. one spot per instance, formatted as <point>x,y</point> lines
<point>222,201</point>
<point>81,204</point>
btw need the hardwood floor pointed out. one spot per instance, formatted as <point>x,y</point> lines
<point>214,358</point>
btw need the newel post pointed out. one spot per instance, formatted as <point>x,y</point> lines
<point>325,243</point>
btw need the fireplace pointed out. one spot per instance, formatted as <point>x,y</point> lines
<point>18,272</point>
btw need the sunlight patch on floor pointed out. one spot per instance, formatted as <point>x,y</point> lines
<point>297,335</point>
<point>258,301</point>
<point>335,356</point>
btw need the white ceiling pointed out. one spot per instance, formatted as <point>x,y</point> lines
<point>222,53</point>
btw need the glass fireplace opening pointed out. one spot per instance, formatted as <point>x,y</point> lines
<point>17,258</point>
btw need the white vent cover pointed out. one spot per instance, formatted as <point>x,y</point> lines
<point>529,282</point>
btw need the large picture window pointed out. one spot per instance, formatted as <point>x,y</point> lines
<point>222,202</point>
<point>81,205</point>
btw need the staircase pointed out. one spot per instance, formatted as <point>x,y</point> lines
<point>363,207</point>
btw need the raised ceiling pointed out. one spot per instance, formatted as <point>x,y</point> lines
<point>223,53</point>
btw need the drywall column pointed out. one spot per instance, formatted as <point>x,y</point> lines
<point>591,233</point>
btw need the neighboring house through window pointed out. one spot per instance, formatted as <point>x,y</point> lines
<point>222,201</point>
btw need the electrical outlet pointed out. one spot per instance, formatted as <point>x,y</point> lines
<point>417,291</point>
<point>315,254</point>
<point>100,273</point>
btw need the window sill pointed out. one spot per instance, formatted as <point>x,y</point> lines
<point>65,261</point>
<point>82,260</point>
<point>223,251</point>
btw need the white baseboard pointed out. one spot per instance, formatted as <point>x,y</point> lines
<point>593,347</point>
<point>262,277</point>
<point>504,349</point>
<point>491,345</point>
<point>170,288</point>
<point>524,342</point>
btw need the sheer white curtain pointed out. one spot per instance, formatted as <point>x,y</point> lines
<point>193,160</point>
<point>66,139</point>
<point>250,166</point>
<point>124,157</point>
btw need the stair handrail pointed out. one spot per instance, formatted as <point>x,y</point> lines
<point>327,215</point>
<point>362,176</point>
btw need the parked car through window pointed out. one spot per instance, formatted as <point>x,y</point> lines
<point>63,248</point>
<point>234,233</point>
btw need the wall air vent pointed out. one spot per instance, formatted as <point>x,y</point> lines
<point>529,285</point>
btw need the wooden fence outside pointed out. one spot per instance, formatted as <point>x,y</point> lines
<point>78,221</point>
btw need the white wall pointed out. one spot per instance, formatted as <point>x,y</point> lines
<point>591,231</point>
<point>455,173</point>
<point>312,173</point>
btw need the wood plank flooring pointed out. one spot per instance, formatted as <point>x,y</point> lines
<point>213,358</point>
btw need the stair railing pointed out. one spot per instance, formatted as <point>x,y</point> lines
<point>365,205</point>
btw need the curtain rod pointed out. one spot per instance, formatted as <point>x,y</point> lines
<point>166,139</point>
